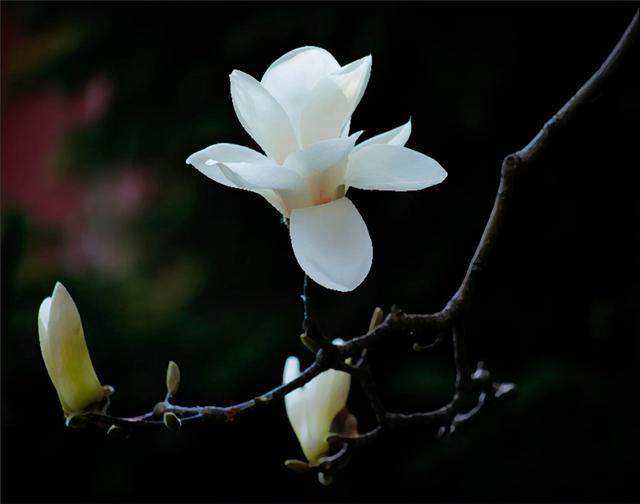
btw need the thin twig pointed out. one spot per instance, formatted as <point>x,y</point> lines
<point>306,319</point>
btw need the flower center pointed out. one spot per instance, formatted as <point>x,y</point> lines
<point>321,198</point>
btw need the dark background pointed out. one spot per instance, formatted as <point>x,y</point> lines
<point>102,102</point>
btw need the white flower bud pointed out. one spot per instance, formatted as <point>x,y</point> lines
<point>312,407</point>
<point>65,353</point>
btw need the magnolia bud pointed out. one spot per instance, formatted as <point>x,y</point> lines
<point>376,318</point>
<point>312,408</point>
<point>65,353</point>
<point>310,343</point>
<point>173,378</point>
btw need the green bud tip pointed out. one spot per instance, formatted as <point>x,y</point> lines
<point>376,318</point>
<point>297,465</point>
<point>173,378</point>
<point>310,343</point>
<point>263,399</point>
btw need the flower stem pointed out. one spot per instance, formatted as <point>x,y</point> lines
<point>306,319</point>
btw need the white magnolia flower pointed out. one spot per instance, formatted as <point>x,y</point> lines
<point>299,114</point>
<point>65,353</point>
<point>312,408</point>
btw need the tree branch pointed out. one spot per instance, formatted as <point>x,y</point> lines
<point>472,390</point>
<point>512,166</point>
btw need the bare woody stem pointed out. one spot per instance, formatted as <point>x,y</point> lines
<point>512,166</point>
<point>474,387</point>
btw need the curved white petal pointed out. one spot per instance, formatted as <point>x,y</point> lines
<point>332,101</point>
<point>322,166</point>
<point>396,136</point>
<point>332,244</point>
<point>262,116</point>
<point>324,114</point>
<point>260,176</point>
<point>291,78</point>
<point>44,311</point>
<point>45,346</point>
<point>326,395</point>
<point>206,160</point>
<point>392,168</point>
<point>345,129</point>
<point>321,155</point>
<point>353,79</point>
<point>274,199</point>
<point>296,401</point>
<point>330,390</point>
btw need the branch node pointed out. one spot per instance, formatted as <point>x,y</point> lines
<point>160,408</point>
<point>510,165</point>
<point>230,414</point>
<point>430,346</point>
<point>481,375</point>
<point>263,400</point>
<point>504,390</point>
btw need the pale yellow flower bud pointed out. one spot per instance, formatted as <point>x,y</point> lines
<point>65,353</point>
<point>312,408</point>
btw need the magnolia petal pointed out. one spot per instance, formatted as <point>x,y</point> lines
<point>322,166</point>
<point>324,114</point>
<point>345,129</point>
<point>262,116</point>
<point>330,390</point>
<point>44,311</point>
<point>45,347</point>
<point>396,136</point>
<point>295,401</point>
<point>332,244</point>
<point>332,102</point>
<point>326,395</point>
<point>206,160</point>
<point>274,199</point>
<point>321,155</point>
<point>66,354</point>
<point>392,168</point>
<point>264,176</point>
<point>353,79</point>
<point>292,77</point>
